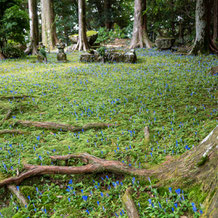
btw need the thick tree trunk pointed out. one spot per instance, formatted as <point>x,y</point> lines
<point>140,35</point>
<point>107,12</point>
<point>215,21</point>
<point>49,37</point>
<point>197,166</point>
<point>202,38</point>
<point>82,43</point>
<point>34,28</point>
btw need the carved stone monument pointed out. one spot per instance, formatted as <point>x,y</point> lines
<point>41,56</point>
<point>61,56</point>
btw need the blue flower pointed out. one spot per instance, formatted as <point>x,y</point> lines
<point>178,191</point>
<point>85,197</point>
<point>170,189</point>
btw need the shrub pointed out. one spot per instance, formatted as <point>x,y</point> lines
<point>11,51</point>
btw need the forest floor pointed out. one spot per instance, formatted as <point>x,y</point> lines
<point>173,95</point>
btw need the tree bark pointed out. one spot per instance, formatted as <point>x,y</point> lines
<point>202,23</point>
<point>130,205</point>
<point>215,21</point>
<point>82,43</point>
<point>34,27</point>
<point>49,36</point>
<point>107,11</point>
<point>140,35</point>
<point>2,57</point>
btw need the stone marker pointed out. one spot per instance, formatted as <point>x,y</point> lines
<point>128,56</point>
<point>61,56</point>
<point>164,43</point>
<point>41,56</point>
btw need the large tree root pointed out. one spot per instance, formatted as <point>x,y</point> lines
<point>11,131</point>
<point>95,165</point>
<point>18,194</point>
<point>63,127</point>
<point>130,205</point>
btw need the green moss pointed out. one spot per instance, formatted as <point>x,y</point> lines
<point>7,212</point>
<point>203,161</point>
<point>28,191</point>
<point>88,33</point>
<point>162,190</point>
<point>196,194</point>
<point>18,215</point>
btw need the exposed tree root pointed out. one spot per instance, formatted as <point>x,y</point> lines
<point>7,116</point>
<point>130,205</point>
<point>18,194</point>
<point>95,165</point>
<point>11,131</point>
<point>14,97</point>
<point>63,127</point>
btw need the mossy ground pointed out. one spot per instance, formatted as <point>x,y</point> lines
<point>173,95</point>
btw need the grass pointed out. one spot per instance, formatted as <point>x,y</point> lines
<point>173,95</point>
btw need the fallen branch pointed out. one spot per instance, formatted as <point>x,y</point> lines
<point>63,127</point>
<point>11,131</point>
<point>130,205</point>
<point>18,194</point>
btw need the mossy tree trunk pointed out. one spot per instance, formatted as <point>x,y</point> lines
<point>82,43</point>
<point>202,24</point>
<point>49,36</point>
<point>140,35</point>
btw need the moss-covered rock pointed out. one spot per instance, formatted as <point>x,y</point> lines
<point>91,37</point>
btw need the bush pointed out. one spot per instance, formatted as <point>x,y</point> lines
<point>117,33</point>
<point>10,51</point>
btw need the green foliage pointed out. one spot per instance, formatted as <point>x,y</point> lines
<point>11,51</point>
<point>105,35</point>
<point>203,161</point>
<point>14,22</point>
<point>101,51</point>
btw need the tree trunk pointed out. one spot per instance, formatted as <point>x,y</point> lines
<point>202,38</point>
<point>34,28</point>
<point>49,37</point>
<point>140,35</point>
<point>215,21</point>
<point>107,12</point>
<point>82,43</point>
<point>2,57</point>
